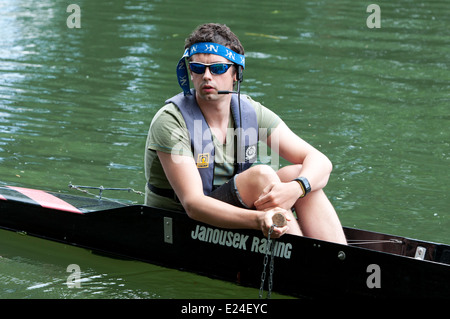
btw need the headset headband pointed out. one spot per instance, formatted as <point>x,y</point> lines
<point>204,47</point>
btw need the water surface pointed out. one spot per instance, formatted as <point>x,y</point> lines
<point>75,106</point>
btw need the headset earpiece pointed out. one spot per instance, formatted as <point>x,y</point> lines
<point>240,74</point>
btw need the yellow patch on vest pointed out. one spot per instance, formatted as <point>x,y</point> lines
<point>203,160</point>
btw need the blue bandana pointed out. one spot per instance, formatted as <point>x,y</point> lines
<point>204,47</point>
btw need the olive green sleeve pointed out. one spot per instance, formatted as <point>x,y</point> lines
<point>168,132</point>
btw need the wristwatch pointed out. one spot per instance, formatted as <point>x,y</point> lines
<point>304,184</point>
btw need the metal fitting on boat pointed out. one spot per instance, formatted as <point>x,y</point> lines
<point>341,255</point>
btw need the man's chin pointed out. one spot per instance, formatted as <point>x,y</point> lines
<point>209,96</point>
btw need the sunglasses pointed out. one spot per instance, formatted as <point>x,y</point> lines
<point>215,68</point>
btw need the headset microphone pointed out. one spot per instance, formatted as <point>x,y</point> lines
<point>227,92</point>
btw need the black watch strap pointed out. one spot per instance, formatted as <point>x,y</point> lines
<point>304,184</point>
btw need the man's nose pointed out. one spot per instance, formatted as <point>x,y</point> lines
<point>207,74</point>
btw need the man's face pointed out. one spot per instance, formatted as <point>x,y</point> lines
<point>207,84</point>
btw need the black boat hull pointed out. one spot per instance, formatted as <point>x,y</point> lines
<point>303,267</point>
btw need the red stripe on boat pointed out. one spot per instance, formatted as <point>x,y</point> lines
<point>46,200</point>
<point>2,198</point>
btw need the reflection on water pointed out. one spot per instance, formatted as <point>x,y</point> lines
<point>34,268</point>
<point>75,105</point>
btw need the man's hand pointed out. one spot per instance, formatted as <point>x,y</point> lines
<point>268,221</point>
<point>282,195</point>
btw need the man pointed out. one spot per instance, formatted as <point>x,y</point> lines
<point>201,149</point>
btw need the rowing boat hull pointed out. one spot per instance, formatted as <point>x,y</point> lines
<point>303,267</point>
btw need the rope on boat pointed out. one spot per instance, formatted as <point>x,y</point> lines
<point>101,189</point>
<point>374,241</point>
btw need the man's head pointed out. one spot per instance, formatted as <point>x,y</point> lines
<point>215,33</point>
<point>211,43</point>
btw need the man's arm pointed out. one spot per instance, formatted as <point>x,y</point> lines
<point>315,166</point>
<point>182,173</point>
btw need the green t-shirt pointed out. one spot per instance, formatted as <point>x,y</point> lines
<point>168,133</point>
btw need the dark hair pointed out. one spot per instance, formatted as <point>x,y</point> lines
<point>216,33</point>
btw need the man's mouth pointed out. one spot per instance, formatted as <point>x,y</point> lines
<point>208,87</point>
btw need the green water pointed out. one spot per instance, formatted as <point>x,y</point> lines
<point>76,103</point>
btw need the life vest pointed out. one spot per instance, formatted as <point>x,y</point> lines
<point>201,138</point>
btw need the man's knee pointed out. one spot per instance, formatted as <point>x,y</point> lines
<point>263,175</point>
<point>252,182</point>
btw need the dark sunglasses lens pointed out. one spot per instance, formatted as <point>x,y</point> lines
<point>219,68</point>
<point>197,68</point>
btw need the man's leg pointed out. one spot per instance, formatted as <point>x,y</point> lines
<point>251,184</point>
<point>316,215</point>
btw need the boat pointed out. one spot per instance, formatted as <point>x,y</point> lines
<point>372,265</point>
